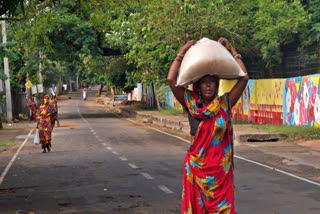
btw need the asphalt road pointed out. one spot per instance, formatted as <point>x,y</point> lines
<point>102,163</point>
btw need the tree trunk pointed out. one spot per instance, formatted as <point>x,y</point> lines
<point>100,90</point>
<point>155,100</point>
<point>1,127</point>
<point>112,92</point>
<point>70,83</point>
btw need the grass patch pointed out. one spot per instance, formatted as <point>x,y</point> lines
<point>239,121</point>
<point>293,132</point>
<point>171,111</point>
<point>6,143</point>
<point>145,107</point>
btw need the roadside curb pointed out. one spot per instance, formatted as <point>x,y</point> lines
<point>178,125</point>
<point>240,136</point>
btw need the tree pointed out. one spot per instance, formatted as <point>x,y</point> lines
<point>86,38</point>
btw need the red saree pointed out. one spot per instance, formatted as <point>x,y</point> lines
<point>208,166</point>
<point>33,109</point>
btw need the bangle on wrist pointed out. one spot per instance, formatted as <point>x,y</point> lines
<point>237,56</point>
<point>180,55</point>
<point>177,59</point>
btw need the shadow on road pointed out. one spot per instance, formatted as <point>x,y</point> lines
<point>87,115</point>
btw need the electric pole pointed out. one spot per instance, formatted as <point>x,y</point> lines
<point>6,71</point>
<point>40,75</point>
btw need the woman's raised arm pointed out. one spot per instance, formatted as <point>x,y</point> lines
<point>178,91</point>
<point>237,90</point>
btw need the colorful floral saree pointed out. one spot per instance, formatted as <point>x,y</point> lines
<point>208,166</point>
<point>45,126</point>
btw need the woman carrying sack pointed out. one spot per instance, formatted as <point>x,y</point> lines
<point>208,166</point>
<point>44,124</point>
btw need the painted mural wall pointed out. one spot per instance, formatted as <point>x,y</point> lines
<point>302,103</point>
<point>292,101</point>
<point>165,100</point>
<point>261,101</point>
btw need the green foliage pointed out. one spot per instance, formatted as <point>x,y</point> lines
<point>118,43</point>
<point>6,143</point>
<point>276,23</point>
<point>146,107</point>
<point>3,76</point>
<point>10,7</point>
<point>151,42</point>
<point>311,35</point>
<point>171,111</point>
<point>4,52</point>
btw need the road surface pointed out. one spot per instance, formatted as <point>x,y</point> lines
<point>102,163</point>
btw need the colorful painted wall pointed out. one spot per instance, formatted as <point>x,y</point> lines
<point>261,101</point>
<point>166,99</point>
<point>292,101</point>
<point>302,103</point>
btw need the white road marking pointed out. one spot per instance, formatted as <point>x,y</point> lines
<point>279,170</point>
<point>165,189</point>
<point>116,153</point>
<point>123,158</point>
<point>104,144</point>
<point>251,145</point>
<point>241,158</point>
<point>82,116</point>
<point>99,139</point>
<point>146,175</point>
<point>109,148</point>
<point>4,173</point>
<point>180,138</point>
<point>133,166</point>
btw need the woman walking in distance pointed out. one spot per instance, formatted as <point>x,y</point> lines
<point>208,166</point>
<point>44,124</point>
<point>54,111</point>
<point>33,109</point>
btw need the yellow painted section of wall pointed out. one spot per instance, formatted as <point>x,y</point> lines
<point>226,86</point>
<point>268,91</point>
<point>315,80</point>
<point>265,91</point>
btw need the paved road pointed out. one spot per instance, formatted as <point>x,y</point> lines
<point>101,163</point>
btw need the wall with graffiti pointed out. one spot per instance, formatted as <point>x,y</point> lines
<point>292,101</point>
<point>163,93</point>
<point>302,103</point>
<point>261,101</point>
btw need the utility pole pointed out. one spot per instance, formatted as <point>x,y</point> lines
<point>40,66</point>
<point>28,90</point>
<point>6,71</point>
<point>77,82</point>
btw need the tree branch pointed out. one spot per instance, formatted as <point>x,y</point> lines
<point>10,19</point>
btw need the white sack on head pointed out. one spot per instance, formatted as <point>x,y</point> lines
<point>207,57</point>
